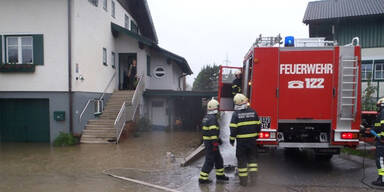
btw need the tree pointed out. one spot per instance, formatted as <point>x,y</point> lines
<point>369,102</point>
<point>207,79</point>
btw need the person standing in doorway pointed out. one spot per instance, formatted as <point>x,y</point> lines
<point>132,71</point>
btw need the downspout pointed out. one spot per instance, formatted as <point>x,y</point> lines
<point>70,99</point>
<point>181,76</point>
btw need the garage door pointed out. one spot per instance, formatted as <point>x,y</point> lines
<point>24,120</point>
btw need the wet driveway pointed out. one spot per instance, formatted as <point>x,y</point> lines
<point>39,167</point>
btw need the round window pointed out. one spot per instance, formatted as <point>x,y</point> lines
<point>159,72</point>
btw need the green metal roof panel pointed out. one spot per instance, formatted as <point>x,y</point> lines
<point>336,9</point>
<point>142,39</point>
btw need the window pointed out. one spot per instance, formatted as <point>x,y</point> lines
<point>105,5</point>
<point>105,56</point>
<point>113,60</point>
<point>159,72</point>
<point>113,9</point>
<point>19,50</point>
<point>134,27</point>
<point>94,2</point>
<point>366,70</point>
<point>126,22</point>
<point>379,71</point>
<point>148,65</point>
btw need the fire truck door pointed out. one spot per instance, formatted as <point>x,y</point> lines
<point>247,77</point>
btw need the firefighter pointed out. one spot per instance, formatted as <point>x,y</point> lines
<point>237,83</point>
<point>212,141</point>
<point>245,126</point>
<point>379,129</point>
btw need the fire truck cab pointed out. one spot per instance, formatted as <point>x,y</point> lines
<point>307,93</point>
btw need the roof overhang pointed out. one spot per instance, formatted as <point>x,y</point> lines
<point>183,64</point>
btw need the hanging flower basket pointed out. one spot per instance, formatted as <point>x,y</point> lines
<point>27,68</point>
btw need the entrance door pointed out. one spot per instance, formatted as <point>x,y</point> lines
<point>125,61</point>
<point>159,114</point>
<point>24,120</point>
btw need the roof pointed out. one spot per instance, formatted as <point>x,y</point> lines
<point>173,93</point>
<point>338,9</point>
<point>149,42</point>
<point>178,59</point>
<point>139,10</point>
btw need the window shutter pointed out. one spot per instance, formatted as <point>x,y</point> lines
<point>38,50</point>
<point>1,49</point>
<point>148,65</point>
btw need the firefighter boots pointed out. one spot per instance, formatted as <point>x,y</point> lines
<point>222,178</point>
<point>379,181</point>
<point>243,181</point>
<point>204,181</point>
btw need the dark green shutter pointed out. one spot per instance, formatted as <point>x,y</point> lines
<point>1,49</point>
<point>148,65</point>
<point>38,50</point>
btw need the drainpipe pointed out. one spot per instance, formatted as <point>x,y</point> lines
<point>70,99</point>
<point>181,76</point>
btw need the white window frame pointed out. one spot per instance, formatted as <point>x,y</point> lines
<point>105,5</point>
<point>155,72</point>
<point>19,49</point>
<point>113,9</point>
<point>381,71</point>
<point>366,72</point>
<point>126,21</point>
<point>105,56</point>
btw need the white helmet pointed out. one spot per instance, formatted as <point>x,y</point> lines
<point>212,105</point>
<point>380,102</point>
<point>238,72</point>
<point>240,99</point>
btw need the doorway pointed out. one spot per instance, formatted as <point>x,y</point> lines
<point>125,62</point>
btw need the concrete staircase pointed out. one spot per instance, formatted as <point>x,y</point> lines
<point>101,130</point>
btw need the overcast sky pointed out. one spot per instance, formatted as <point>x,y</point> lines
<point>207,31</point>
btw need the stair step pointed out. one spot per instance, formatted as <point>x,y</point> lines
<point>346,82</point>
<point>349,67</point>
<point>349,97</point>
<point>110,126</point>
<point>102,122</point>
<point>346,118</point>
<point>110,130</point>
<point>97,140</point>
<point>347,104</point>
<point>107,136</point>
<point>347,90</point>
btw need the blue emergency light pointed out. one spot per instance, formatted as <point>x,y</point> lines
<point>289,41</point>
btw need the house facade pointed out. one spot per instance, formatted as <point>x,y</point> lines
<point>342,20</point>
<point>57,56</point>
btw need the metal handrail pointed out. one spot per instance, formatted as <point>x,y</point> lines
<point>136,99</point>
<point>109,83</point>
<point>101,97</point>
<point>84,109</point>
<point>120,121</point>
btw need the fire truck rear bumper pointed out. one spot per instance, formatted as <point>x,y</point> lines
<point>306,145</point>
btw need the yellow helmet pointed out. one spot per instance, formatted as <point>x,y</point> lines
<point>240,99</point>
<point>212,105</point>
<point>380,102</point>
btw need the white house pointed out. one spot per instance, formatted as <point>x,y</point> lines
<point>56,55</point>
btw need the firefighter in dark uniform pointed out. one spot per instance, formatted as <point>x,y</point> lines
<point>245,126</point>
<point>379,129</point>
<point>212,141</point>
<point>237,83</point>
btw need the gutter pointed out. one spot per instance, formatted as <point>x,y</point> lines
<point>70,97</point>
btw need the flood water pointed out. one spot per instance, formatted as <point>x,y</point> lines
<point>40,167</point>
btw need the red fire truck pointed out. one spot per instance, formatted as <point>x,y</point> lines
<point>306,93</point>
